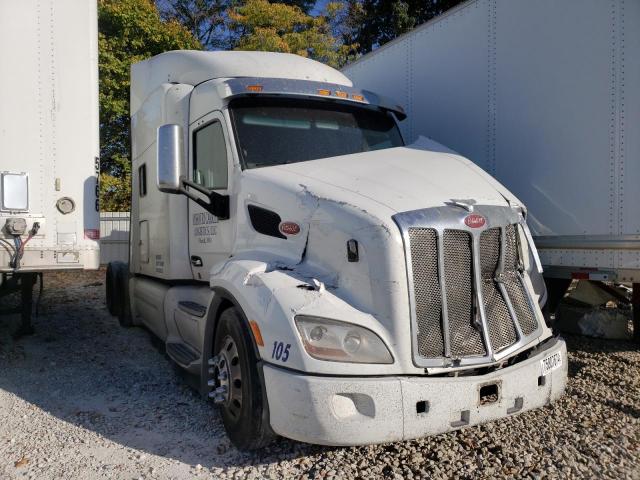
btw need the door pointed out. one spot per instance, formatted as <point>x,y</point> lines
<point>210,161</point>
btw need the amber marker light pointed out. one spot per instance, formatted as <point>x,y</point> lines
<point>342,94</point>
<point>359,98</point>
<point>256,333</point>
<point>323,91</point>
<point>254,88</point>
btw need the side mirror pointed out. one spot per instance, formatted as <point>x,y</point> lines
<point>170,158</point>
<point>172,178</point>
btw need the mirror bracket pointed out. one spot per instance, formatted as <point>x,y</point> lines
<point>217,204</point>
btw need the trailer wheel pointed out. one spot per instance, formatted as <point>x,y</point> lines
<point>123,305</point>
<point>117,284</point>
<point>237,386</point>
<point>111,289</point>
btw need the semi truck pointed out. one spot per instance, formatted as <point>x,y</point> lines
<point>49,143</point>
<point>322,278</point>
<point>545,97</point>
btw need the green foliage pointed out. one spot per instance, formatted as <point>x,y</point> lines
<point>372,23</point>
<point>115,190</point>
<point>276,27</point>
<point>205,19</point>
<point>129,31</point>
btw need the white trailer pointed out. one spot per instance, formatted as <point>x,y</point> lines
<point>325,281</point>
<point>49,140</point>
<point>544,96</point>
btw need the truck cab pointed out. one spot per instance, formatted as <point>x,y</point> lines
<point>323,280</point>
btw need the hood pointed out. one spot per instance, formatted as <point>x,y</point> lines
<point>422,175</point>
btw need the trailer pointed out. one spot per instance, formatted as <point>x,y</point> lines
<point>323,279</point>
<point>544,96</point>
<point>49,142</point>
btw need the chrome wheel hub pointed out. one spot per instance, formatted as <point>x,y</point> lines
<point>225,377</point>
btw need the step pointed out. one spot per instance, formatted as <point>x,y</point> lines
<point>181,353</point>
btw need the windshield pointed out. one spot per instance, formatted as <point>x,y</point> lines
<point>277,131</point>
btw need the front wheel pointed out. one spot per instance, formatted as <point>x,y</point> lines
<point>236,384</point>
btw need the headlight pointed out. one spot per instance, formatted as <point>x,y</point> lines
<point>336,341</point>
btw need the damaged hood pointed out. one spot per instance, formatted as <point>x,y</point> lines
<point>422,175</point>
<point>356,193</point>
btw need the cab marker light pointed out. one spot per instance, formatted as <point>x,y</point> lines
<point>359,98</point>
<point>256,333</point>
<point>342,94</point>
<point>324,91</point>
<point>254,88</point>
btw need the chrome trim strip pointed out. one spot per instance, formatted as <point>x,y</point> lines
<point>588,242</point>
<point>503,289</point>
<point>479,300</point>
<point>446,337</point>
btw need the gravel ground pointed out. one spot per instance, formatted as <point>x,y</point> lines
<point>84,398</point>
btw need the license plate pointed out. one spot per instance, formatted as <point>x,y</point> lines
<point>550,363</point>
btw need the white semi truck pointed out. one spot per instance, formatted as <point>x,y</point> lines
<point>544,96</point>
<point>323,279</point>
<point>49,142</point>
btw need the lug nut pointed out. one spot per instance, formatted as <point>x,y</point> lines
<point>221,390</point>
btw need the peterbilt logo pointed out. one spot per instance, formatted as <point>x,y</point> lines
<point>289,228</point>
<point>474,221</point>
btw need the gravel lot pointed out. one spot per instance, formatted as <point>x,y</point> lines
<point>84,398</point>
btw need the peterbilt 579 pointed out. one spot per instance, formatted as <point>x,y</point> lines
<point>323,280</point>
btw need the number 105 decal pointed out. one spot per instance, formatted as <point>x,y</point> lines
<point>280,351</point>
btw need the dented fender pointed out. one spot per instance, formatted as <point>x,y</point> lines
<point>273,295</point>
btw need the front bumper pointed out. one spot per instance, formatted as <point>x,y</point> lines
<point>366,410</point>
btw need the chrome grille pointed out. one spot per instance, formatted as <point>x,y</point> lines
<point>469,298</point>
<point>424,254</point>
<point>464,334</point>
<point>502,332</point>
<point>514,285</point>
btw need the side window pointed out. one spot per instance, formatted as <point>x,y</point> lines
<point>210,157</point>
<point>142,180</point>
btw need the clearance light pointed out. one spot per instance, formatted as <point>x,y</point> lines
<point>358,98</point>
<point>254,88</point>
<point>257,335</point>
<point>323,91</point>
<point>342,94</point>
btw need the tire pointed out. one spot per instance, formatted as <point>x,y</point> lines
<point>246,420</point>
<point>123,305</point>
<point>111,289</point>
<point>117,286</point>
<point>556,288</point>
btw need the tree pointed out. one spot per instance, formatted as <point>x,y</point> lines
<point>207,19</point>
<point>373,23</point>
<point>277,27</point>
<point>129,31</point>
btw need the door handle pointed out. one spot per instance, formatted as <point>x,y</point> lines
<point>196,261</point>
